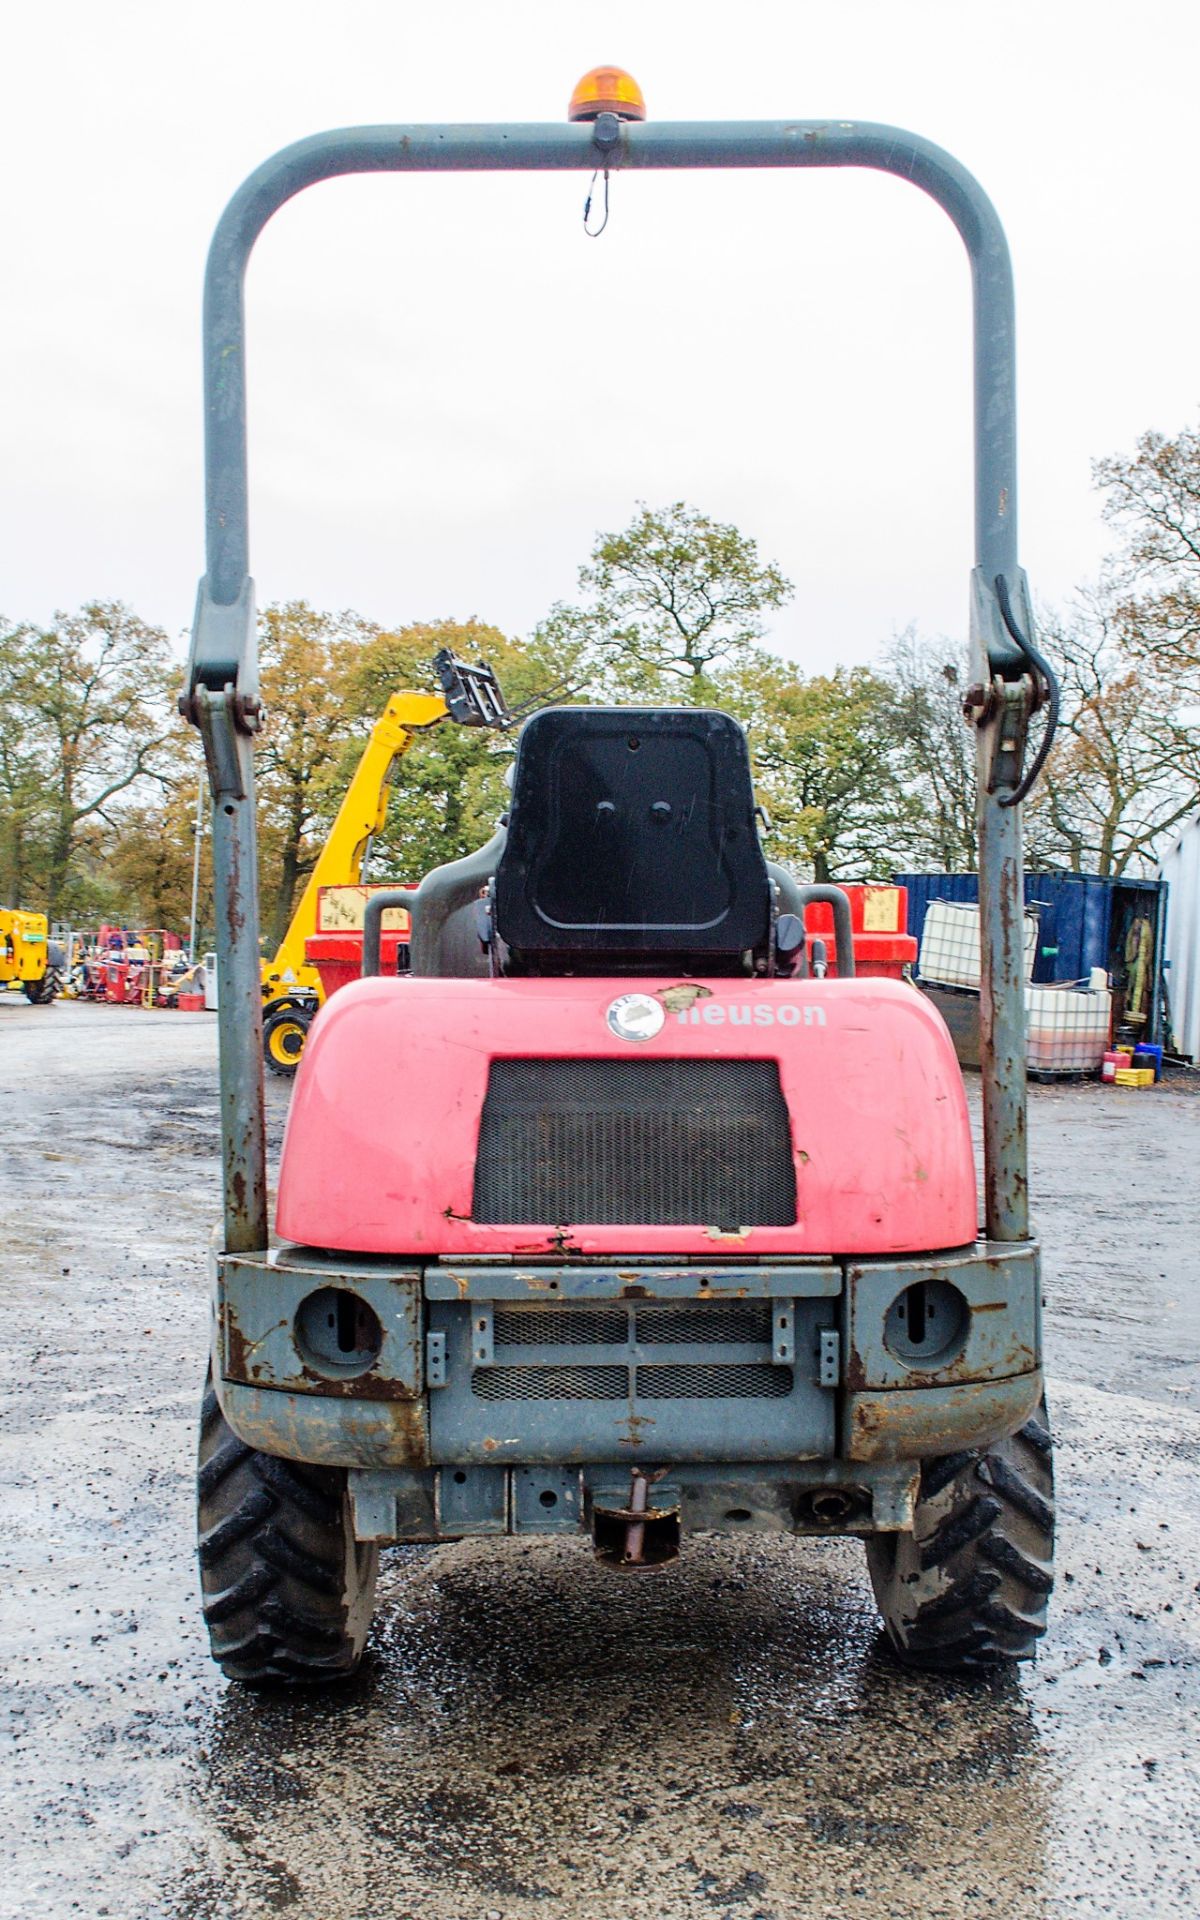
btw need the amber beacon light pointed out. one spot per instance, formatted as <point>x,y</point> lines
<point>607,90</point>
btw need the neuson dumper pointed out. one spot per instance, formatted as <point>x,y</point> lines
<point>613,1218</point>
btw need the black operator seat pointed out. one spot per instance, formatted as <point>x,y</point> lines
<point>632,843</point>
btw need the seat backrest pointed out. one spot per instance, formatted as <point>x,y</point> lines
<point>632,835</point>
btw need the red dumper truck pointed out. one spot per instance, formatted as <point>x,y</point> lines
<point>618,1217</point>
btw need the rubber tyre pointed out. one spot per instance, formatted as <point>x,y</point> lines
<point>284,1034</point>
<point>288,1592</point>
<point>968,1588</point>
<point>41,992</point>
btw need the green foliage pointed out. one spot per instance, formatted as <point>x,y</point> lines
<point>87,725</point>
<point>859,770</point>
<point>25,796</point>
<point>669,603</point>
<point>1125,768</point>
<point>450,788</point>
<point>934,750</point>
<point>149,861</point>
<point>304,659</point>
<point>824,766</point>
<point>1153,498</point>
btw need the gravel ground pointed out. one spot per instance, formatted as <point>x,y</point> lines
<point>533,1737</point>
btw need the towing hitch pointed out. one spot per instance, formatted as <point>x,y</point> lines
<point>636,1536</point>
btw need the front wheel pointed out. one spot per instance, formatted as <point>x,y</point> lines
<point>288,1591</point>
<point>41,992</point>
<point>968,1587</point>
<point>285,1030</point>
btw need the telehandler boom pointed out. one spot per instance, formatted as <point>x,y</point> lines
<point>292,988</point>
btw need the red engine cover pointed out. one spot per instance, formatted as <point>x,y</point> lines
<point>379,1153</point>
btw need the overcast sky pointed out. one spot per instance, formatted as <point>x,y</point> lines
<point>452,388</point>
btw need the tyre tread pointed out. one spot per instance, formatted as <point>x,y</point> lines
<point>286,1592</point>
<point>968,1588</point>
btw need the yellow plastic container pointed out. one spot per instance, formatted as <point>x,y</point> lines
<point>1134,1077</point>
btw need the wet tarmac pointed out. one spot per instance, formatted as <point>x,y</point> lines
<point>534,1737</point>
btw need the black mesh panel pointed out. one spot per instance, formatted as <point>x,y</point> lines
<point>736,1321</point>
<point>539,1326</point>
<point>635,1143</point>
<point>550,1383</point>
<point>714,1383</point>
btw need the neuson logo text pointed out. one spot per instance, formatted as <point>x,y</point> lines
<point>712,1013</point>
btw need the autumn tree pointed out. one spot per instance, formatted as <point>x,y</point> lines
<point>1153,498</point>
<point>823,762</point>
<point>935,749</point>
<point>449,789</point>
<point>304,661</point>
<point>150,856</point>
<point>87,701</point>
<point>668,605</point>
<point>1125,768</point>
<point>25,783</point>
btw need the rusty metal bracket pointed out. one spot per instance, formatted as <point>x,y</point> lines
<point>227,723</point>
<point>1004,712</point>
<point>227,738</point>
<point>637,1536</point>
<point>224,651</point>
<point>1000,702</point>
<point>435,1360</point>
<point>1045,693</point>
<point>829,1357</point>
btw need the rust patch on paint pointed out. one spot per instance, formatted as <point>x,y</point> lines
<point>679,999</point>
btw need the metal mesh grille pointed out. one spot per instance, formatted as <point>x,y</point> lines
<point>732,1321</point>
<point>635,1143</point>
<point>714,1383</point>
<point>550,1383</point>
<point>560,1326</point>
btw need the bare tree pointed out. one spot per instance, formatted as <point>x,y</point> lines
<point>1125,769</point>
<point>935,748</point>
<point>1154,499</point>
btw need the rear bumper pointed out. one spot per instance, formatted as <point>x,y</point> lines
<point>444,1503</point>
<point>764,1370</point>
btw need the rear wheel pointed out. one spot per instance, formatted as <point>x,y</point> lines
<point>41,992</point>
<point>284,1033</point>
<point>969,1586</point>
<point>288,1591</point>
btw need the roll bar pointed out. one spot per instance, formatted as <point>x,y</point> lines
<point>843,930</point>
<point>376,907</point>
<point>221,693</point>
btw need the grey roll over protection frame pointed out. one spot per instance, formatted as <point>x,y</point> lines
<point>373,913</point>
<point>221,691</point>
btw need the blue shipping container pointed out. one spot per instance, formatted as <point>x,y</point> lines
<point>1075,918</point>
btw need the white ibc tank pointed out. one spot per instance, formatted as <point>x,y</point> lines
<point>950,944</point>
<point>1068,1028</point>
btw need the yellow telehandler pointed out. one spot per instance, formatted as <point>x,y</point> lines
<point>25,955</point>
<point>292,988</point>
